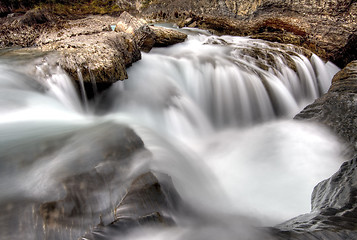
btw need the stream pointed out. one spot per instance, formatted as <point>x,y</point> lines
<point>215,113</point>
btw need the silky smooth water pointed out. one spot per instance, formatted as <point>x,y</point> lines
<point>213,111</point>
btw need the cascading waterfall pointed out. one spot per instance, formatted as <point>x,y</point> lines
<point>212,111</point>
<point>220,82</point>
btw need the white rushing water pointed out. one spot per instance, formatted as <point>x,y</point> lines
<point>213,111</point>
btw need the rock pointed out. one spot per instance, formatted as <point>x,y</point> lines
<point>337,108</point>
<point>328,28</point>
<point>88,50</point>
<point>36,16</point>
<point>147,195</point>
<point>139,29</point>
<point>148,202</point>
<point>91,191</point>
<point>148,36</point>
<point>165,37</point>
<point>84,174</point>
<point>333,201</point>
<point>334,209</point>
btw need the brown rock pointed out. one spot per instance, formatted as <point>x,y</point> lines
<point>327,28</point>
<point>88,50</point>
<point>165,37</point>
<point>139,29</point>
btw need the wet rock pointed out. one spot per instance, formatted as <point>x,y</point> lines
<point>91,191</point>
<point>148,202</point>
<point>147,195</point>
<point>84,174</point>
<point>165,37</point>
<point>334,209</point>
<point>337,108</point>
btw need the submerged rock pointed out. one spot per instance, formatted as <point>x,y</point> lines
<point>91,192</point>
<point>338,107</point>
<point>148,202</point>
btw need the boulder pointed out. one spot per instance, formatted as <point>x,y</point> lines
<point>337,108</point>
<point>147,36</point>
<point>139,29</point>
<point>165,37</point>
<point>148,202</point>
<point>84,174</point>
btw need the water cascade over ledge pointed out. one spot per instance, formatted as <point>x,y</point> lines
<point>213,112</point>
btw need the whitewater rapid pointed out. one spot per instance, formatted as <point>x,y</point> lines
<point>213,111</point>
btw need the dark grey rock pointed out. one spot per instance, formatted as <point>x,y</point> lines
<point>148,202</point>
<point>334,209</point>
<point>338,107</point>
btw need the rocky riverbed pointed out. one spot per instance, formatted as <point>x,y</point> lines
<point>327,28</point>
<point>89,50</point>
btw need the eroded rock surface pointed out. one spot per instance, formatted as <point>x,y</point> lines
<point>327,28</point>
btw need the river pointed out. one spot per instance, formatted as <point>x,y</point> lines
<point>214,112</point>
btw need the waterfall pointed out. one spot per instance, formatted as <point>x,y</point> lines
<point>213,112</point>
<point>212,82</point>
